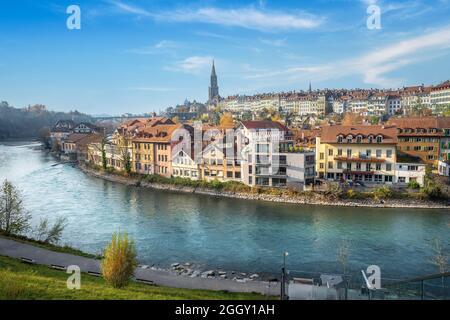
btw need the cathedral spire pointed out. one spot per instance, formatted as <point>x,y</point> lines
<point>213,93</point>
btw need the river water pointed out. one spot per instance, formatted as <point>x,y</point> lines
<point>210,232</point>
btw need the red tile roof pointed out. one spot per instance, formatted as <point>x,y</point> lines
<point>330,133</point>
<point>264,125</point>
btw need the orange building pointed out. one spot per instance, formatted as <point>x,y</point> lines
<point>421,137</point>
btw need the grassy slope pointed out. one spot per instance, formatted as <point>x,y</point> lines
<point>48,246</point>
<point>32,282</point>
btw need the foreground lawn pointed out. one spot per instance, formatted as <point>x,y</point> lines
<point>19,281</point>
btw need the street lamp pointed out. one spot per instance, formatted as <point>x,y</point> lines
<point>283,277</point>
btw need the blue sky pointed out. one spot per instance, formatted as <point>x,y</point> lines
<point>142,56</point>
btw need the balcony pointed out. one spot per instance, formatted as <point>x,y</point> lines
<point>363,159</point>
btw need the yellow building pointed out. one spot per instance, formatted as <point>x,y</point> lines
<point>142,156</point>
<point>152,149</point>
<point>357,153</point>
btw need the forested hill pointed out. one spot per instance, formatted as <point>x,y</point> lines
<point>27,122</point>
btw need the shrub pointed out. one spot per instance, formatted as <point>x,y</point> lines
<point>413,185</point>
<point>383,193</point>
<point>119,261</point>
<point>432,191</point>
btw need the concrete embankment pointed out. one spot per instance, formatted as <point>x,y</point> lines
<point>310,199</point>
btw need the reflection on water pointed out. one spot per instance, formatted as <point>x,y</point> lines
<point>213,232</point>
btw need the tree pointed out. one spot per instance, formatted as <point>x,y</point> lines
<point>351,119</point>
<point>13,218</point>
<point>226,120</point>
<point>44,137</point>
<point>124,154</point>
<point>176,119</point>
<point>103,146</point>
<point>45,233</point>
<point>119,261</point>
<point>440,259</point>
<point>343,253</point>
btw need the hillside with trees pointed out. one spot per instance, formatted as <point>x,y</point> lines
<point>28,122</point>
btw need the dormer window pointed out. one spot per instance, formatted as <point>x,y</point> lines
<point>370,139</point>
<point>359,139</point>
<point>340,139</point>
<point>379,139</point>
<point>349,139</point>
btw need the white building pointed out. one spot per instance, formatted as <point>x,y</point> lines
<point>409,172</point>
<point>394,105</point>
<point>440,95</point>
<point>184,166</point>
<point>443,168</point>
<point>267,157</point>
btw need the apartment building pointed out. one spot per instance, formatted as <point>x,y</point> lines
<point>218,164</point>
<point>357,153</point>
<point>184,166</point>
<point>440,95</point>
<point>152,148</point>
<point>421,137</point>
<point>268,157</point>
<point>113,155</point>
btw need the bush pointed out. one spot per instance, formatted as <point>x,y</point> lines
<point>413,185</point>
<point>119,261</point>
<point>383,193</point>
<point>432,191</point>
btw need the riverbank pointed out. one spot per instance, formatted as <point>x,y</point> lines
<point>158,283</point>
<point>310,198</point>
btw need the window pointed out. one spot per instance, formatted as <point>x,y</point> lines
<point>359,139</point>
<point>330,152</point>
<point>378,178</point>
<point>358,166</point>
<point>349,166</point>
<point>339,165</point>
<point>322,156</point>
<point>388,167</point>
<point>378,153</point>
<point>401,180</point>
<point>349,153</point>
<point>388,153</point>
<point>339,152</point>
<point>322,166</point>
<point>229,174</point>
<point>340,139</point>
<point>379,139</point>
<point>368,153</point>
<point>368,167</point>
<point>330,165</point>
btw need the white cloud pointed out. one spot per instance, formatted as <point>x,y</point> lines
<point>375,66</point>
<point>249,18</point>
<point>194,64</point>
<point>127,8</point>
<point>164,46</point>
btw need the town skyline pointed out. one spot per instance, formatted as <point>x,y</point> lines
<point>139,57</point>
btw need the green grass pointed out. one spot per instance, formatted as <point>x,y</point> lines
<point>48,246</point>
<point>19,281</point>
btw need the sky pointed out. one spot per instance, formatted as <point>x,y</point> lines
<point>136,56</point>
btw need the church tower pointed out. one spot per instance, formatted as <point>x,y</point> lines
<point>213,89</point>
